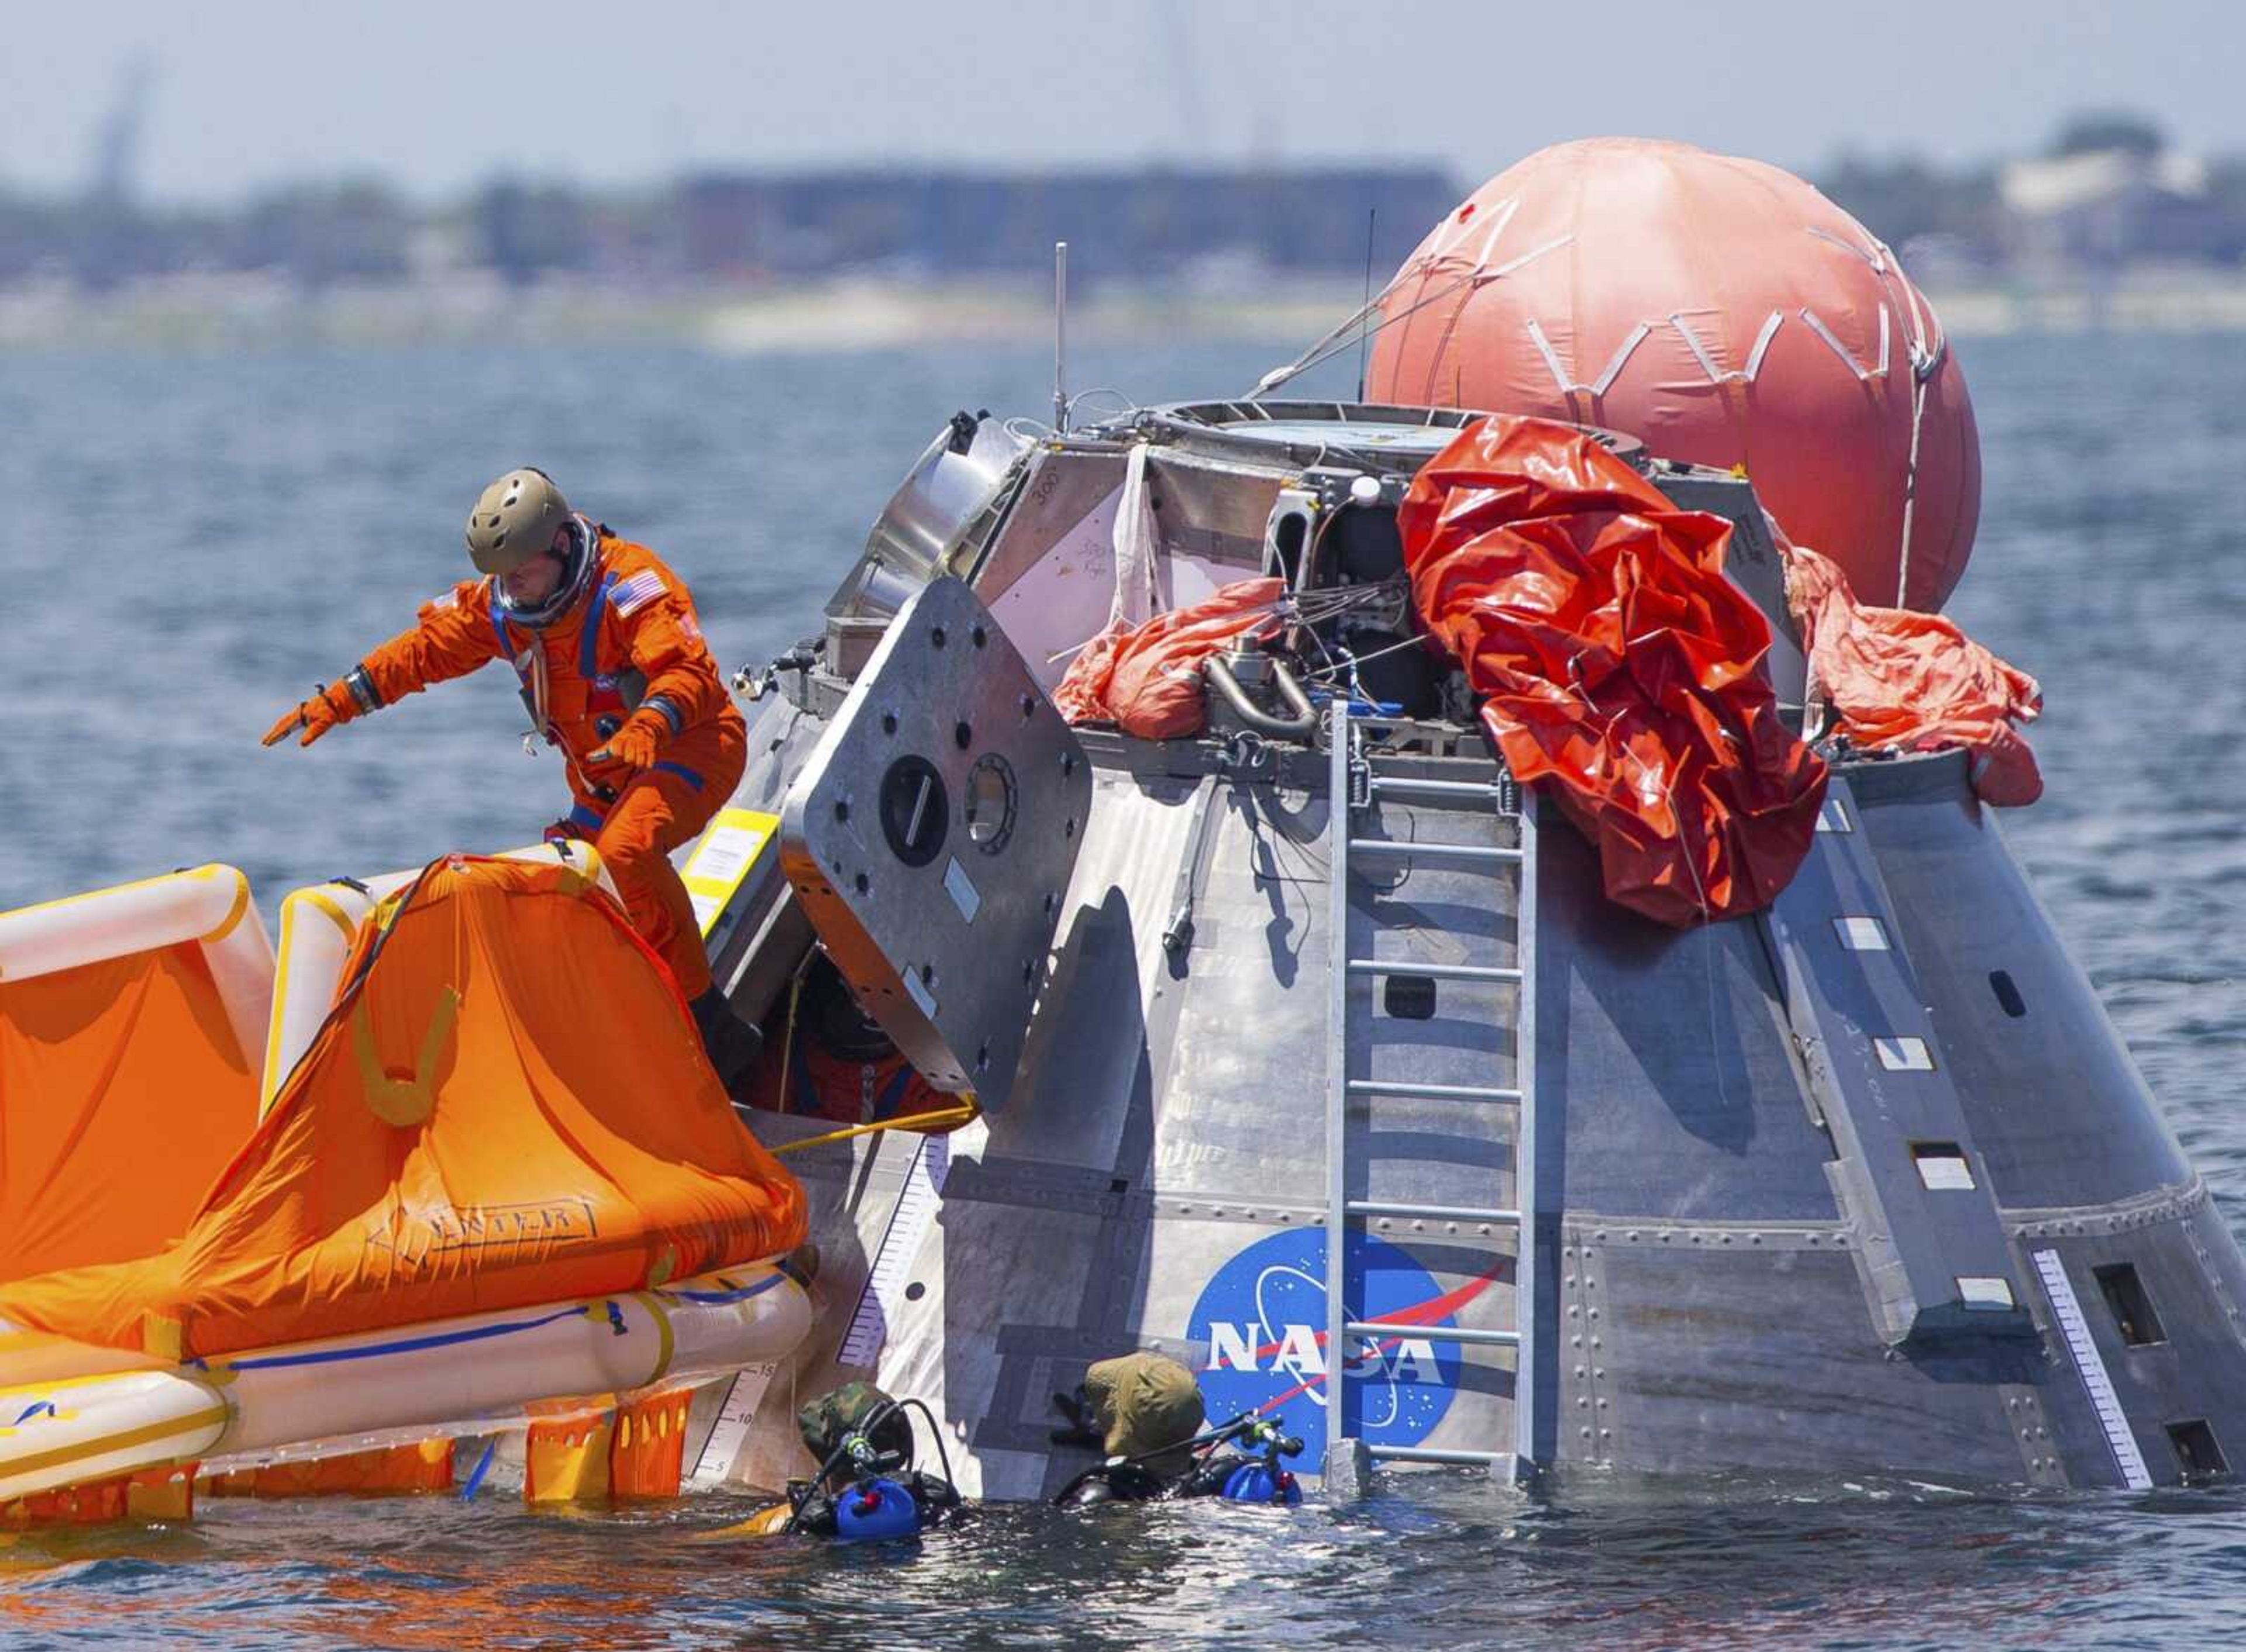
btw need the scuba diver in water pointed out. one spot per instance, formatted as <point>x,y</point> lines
<point>865,1486</point>
<point>615,673</point>
<point>1145,1412</point>
<point>1143,1409</point>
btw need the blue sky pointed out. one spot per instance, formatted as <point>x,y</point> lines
<point>438,96</point>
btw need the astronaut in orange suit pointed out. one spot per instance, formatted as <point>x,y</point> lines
<point>612,665</point>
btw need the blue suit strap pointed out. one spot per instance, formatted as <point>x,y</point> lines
<point>806,1093</point>
<point>893,1093</point>
<point>589,640</point>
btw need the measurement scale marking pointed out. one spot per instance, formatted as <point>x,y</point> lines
<point>723,1448</point>
<point>909,1224</point>
<point>2103,1400</point>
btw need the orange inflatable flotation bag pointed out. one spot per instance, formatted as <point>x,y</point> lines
<point>1147,678</point>
<point>1724,312</point>
<point>1621,670</point>
<point>508,1105</point>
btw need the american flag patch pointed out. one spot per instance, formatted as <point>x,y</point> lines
<point>636,592</point>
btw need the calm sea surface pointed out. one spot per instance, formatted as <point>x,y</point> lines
<point>192,540</point>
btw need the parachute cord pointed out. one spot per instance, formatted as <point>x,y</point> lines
<point>1351,662</point>
<point>1910,482</point>
<point>1925,361</point>
<point>1303,362</point>
<point>1338,340</point>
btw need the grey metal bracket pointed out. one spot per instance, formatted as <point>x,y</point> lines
<point>931,835</point>
<point>1348,1473</point>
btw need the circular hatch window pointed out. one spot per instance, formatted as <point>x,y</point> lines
<point>991,801</point>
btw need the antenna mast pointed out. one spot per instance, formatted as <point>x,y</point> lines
<point>1060,337</point>
<point>1364,327</point>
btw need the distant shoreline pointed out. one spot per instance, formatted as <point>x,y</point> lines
<point>209,312</point>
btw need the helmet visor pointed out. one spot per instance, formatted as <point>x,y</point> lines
<point>576,561</point>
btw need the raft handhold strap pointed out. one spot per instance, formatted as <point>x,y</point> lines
<point>403,1102</point>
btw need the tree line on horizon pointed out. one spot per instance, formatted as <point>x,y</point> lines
<point>1124,222</point>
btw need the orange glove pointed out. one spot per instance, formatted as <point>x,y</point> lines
<point>330,704</point>
<point>635,744</point>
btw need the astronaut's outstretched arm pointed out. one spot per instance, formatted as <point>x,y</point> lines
<point>451,636</point>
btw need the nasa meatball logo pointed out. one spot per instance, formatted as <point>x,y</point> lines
<point>1262,1323</point>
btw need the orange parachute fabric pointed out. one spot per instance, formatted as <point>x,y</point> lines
<point>1147,678</point>
<point>1902,681</point>
<point>122,1093</point>
<point>508,1105</point>
<point>1618,665</point>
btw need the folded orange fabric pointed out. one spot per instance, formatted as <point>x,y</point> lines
<point>1898,680</point>
<point>1620,669</point>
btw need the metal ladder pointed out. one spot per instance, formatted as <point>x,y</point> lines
<point>1355,786</point>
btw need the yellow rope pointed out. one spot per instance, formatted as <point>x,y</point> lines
<point>966,1113</point>
<point>787,1039</point>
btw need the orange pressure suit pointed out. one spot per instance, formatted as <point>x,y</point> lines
<point>630,641</point>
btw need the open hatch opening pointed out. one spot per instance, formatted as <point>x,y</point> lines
<point>2132,1306</point>
<point>2197,1454</point>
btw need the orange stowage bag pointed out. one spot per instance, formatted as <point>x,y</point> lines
<point>507,1105</point>
<point>1147,678</point>
<point>122,1093</point>
<point>1904,681</point>
<point>1618,665</point>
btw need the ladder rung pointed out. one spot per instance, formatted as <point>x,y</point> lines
<point>1436,1454</point>
<point>1409,1089</point>
<point>1434,971</point>
<point>1403,784</point>
<point>1432,1333</point>
<point>1430,1213</point>
<point>1477,853</point>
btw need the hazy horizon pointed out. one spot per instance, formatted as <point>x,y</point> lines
<point>433,100</point>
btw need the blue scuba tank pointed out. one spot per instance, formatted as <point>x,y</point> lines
<point>1253,1483</point>
<point>875,1508</point>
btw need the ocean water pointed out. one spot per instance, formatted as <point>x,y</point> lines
<point>192,540</point>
